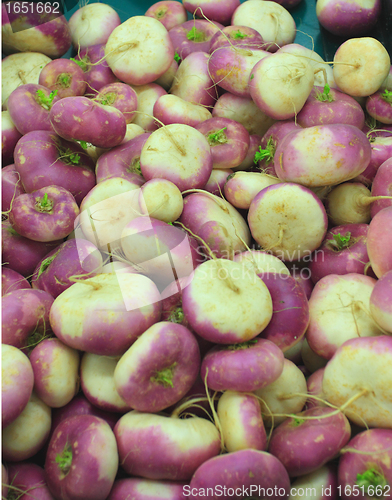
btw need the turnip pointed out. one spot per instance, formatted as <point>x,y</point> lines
<point>92,24</point>
<point>56,372</point>
<point>241,422</point>
<point>244,111</point>
<point>147,489</point>
<point>348,19</point>
<point>46,214</point>
<point>231,67</point>
<point>296,223</point>
<point>315,388</point>
<point>158,447</point>
<point>380,303</point>
<point>322,484</point>
<point>161,199</point>
<point>240,474</point>
<point>241,187</point>
<point>249,160</point>
<point>280,84</point>
<point>147,95</point>
<point>65,76</point>
<point>133,131</point>
<point>379,106</point>
<point>192,81</point>
<point>170,109</point>
<point>286,395</point>
<point>193,36</point>
<point>311,360</point>
<point>321,438</point>
<point>19,69</point>
<point>159,368</point>
<point>178,153</point>
<point>327,106</point>
<point>379,247</point>
<point>217,180</point>
<point>271,20</point>
<point>381,186</point>
<point>262,263</point>
<point>97,382</point>
<point>82,460</point>
<point>25,317</point>
<point>130,41</point>
<point>290,317</point>
<point>11,280</point>
<point>298,159</point>
<point>364,468</point>
<point>17,383</point>
<point>360,66</point>
<point>9,137</point>
<point>302,275</point>
<point>11,186</point>
<point>82,119</point>
<point>359,377</point>
<point>381,147</point>
<point>346,298</point>
<point>42,159</point>
<point>121,97</point>
<point>242,367</point>
<point>27,434</point>
<point>220,12</point>
<point>239,290</point>
<point>237,35</point>
<point>168,12</point>
<point>343,251</point>
<point>166,80</point>
<point>26,479</point>
<point>41,29</point>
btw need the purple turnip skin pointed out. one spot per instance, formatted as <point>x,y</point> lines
<point>11,280</point>
<point>327,108</point>
<point>147,489</point>
<point>56,372</point>
<point>170,109</point>
<point>82,316</point>
<point>341,256</point>
<point>9,137</point>
<point>65,76</point>
<point>17,383</point>
<point>380,302</point>
<point>315,388</point>
<point>323,483</point>
<point>89,472</point>
<point>379,242</point>
<point>249,161</point>
<point>46,214</point>
<point>241,421</point>
<point>321,440</point>
<point>97,382</point>
<point>381,186</point>
<point>74,258</point>
<point>96,70</point>
<point>193,82</point>
<point>219,12</point>
<point>121,97</point>
<point>25,316</point>
<point>79,118</point>
<point>365,465</point>
<point>303,276</point>
<point>236,35</point>
<point>254,471</point>
<point>4,481</point>
<point>21,254</point>
<point>159,368</point>
<point>290,317</point>
<point>26,111</point>
<point>344,145</point>
<point>168,12</point>
<point>42,158</point>
<point>379,106</point>
<point>242,367</point>
<point>30,478</point>
<point>216,183</point>
<point>123,161</point>
<point>193,36</point>
<point>27,434</point>
<point>381,150</point>
<point>49,33</point>
<point>348,19</point>
<point>158,447</point>
<point>11,186</point>
<point>230,68</point>
<point>230,143</point>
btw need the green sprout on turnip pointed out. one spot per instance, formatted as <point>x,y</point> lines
<point>218,137</point>
<point>266,154</point>
<point>177,316</point>
<point>238,35</point>
<point>195,35</point>
<point>341,242</point>
<point>387,96</point>
<point>165,376</point>
<point>108,99</point>
<point>83,144</point>
<point>177,58</point>
<point>82,63</point>
<point>46,101</point>
<point>372,478</point>
<point>64,460</point>
<point>325,96</point>
<point>64,80</point>
<point>242,345</point>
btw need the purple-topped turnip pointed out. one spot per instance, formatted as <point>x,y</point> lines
<point>381,186</point>
<point>11,186</point>
<point>11,280</point>
<point>322,483</point>
<point>9,137</point>
<point>241,187</point>
<point>171,109</point>
<point>237,35</point>
<point>168,12</point>
<point>193,36</point>
<point>379,242</point>
<point>26,479</point>
<point>121,97</point>
<point>216,183</point>
<point>147,489</point>
<point>147,95</point>
<point>380,302</point>
<point>65,76</point>
<point>379,106</point>
<point>220,12</point>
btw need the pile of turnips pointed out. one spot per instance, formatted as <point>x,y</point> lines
<point>197,257</point>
